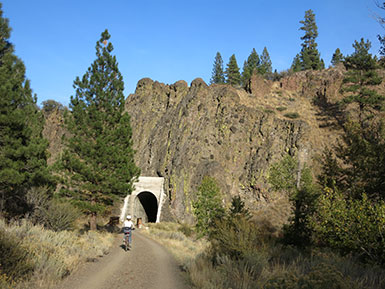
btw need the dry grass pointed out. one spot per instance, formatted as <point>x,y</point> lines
<point>184,249</point>
<point>268,266</point>
<point>56,254</point>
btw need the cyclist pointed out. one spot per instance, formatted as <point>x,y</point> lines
<point>128,226</point>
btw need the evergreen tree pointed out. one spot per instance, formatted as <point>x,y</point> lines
<point>358,166</point>
<point>284,176</point>
<point>99,159</point>
<point>218,76</point>
<point>250,66</point>
<point>208,206</point>
<point>360,77</point>
<point>265,66</point>
<point>23,151</point>
<point>309,55</point>
<point>337,57</point>
<point>233,77</point>
<point>296,65</point>
<point>238,209</point>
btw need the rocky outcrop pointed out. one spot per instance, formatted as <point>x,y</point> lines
<point>184,133</point>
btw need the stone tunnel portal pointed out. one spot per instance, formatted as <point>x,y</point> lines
<point>145,202</point>
<point>150,205</point>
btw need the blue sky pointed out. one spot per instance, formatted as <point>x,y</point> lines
<point>170,40</point>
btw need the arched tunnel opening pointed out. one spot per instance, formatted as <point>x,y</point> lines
<point>150,205</point>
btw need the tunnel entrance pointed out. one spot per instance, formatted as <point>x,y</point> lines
<point>150,205</point>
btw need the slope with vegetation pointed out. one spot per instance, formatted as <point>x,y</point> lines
<point>42,237</point>
<point>239,158</point>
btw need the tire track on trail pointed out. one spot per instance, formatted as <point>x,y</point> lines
<point>147,265</point>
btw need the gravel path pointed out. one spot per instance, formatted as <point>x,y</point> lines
<point>147,265</point>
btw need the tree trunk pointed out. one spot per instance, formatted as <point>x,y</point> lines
<point>93,226</point>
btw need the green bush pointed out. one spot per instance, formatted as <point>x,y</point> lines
<point>14,261</point>
<point>281,108</point>
<point>268,110</point>
<point>208,206</point>
<point>237,238</point>
<point>351,226</point>
<point>292,115</point>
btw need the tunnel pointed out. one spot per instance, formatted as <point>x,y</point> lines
<point>150,205</point>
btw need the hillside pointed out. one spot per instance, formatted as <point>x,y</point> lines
<point>185,132</point>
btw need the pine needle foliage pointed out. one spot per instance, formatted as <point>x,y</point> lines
<point>250,66</point>
<point>218,75</point>
<point>337,57</point>
<point>23,150</point>
<point>233,76</point>
<point>309,55</point>
<point>265,66</point>
<point>360,78</point>
<point>99,160</point>
<point>208,206</point>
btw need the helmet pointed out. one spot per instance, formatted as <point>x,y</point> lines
<point>128,217</point>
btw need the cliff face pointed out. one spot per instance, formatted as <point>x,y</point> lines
<point>185,132</point>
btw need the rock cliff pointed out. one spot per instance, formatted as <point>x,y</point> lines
<point>185,132</point>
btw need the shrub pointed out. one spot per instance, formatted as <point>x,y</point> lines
<point>236,238</point>
<point>281,108</point>
<point>186,230</point>
<point>14,261</point>
<point>356,226</point>
<point>60,216</point>
<point>239,273</point>
<point>54,214</point>
<point>268,110</point>
<point>292,115</point>
<point>53,255</point>
<point>319,277</point>
<point>6,282</point>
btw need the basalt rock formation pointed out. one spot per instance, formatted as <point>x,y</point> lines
<point>185,132</point>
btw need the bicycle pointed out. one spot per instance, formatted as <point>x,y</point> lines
<point>127,238</point>
<point>127,241</point>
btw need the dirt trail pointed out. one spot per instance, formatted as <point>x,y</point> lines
<point>147,265</point>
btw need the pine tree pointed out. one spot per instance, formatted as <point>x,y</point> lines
<point>358,165</point>
<point>23,151</point>
<point>233,77</point>
<point>337,57</point>
<point>208,206</point>
<point>309,55</point>
<point>218,76</point>
<point>99,159</point>
<point>359,79</point>
<point>250,66</point>
<point>296,65</point>
<point>265,63</point>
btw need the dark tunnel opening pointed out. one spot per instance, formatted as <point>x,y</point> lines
<point>150,205</point>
